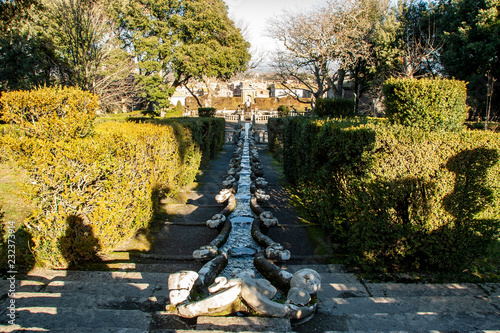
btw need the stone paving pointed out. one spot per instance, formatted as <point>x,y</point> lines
<point>131,294</point>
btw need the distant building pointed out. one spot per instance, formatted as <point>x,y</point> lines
<point>279,91</point>
<point>178,95</point>
<point>224,92</point>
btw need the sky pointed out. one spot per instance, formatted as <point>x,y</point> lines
<point>255,13</point>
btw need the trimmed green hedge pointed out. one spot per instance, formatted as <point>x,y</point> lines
<point>94,192</point>
<point>398,198</point>
<point>51,113</point>
<point>207,133</point>
<point>206,112</point>
<point>275,135</point>
<point>426,104</point>
<point>335,107</point>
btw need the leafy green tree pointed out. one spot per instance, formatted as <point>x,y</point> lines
<point>176,41</point>
<point>472,45</point>
<point>14,11</point>
<point>85,37</point>
<point>26,58</point>
<point>26,61</point>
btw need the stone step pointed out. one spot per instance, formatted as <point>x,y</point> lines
<point>424,322</point>
<point>83,300</point>
<point>18,328</point>
<point>134,288</point>
<point>44,275</point>
<point>113,289</point>
<point>238,324</point>
<point>80,319</point>
<point>429,305</point>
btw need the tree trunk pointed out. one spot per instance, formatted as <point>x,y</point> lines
<point>340,85</point>
<point>194,95</point>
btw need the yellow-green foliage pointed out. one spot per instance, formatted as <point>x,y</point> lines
<point>51,113</point>
<point>398,197</point>
<point>426,104</point>
<point>335,107</point>
<point>207,133</point>
<point>92,193</point>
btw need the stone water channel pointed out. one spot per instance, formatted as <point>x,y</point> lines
<point>240,246</point>
<point>240,275</point>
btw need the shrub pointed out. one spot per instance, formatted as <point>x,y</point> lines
<point>426,104</point>
<point>207,133</point>
<point>206,112</point>
<point>399,198</point>
<point>335,107</point>
<point>96,192</point>
<point>51,113</point>
<point>283,110</point>
<point>275,142</point>
<point>178,107</point>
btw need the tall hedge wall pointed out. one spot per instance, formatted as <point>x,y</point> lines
<point>335,107</point>
<point>398,197</point>
<point>94,192</point>
<point>426,104</point>
<point>207,133</point>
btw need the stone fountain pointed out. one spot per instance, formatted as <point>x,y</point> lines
<point>240,276</point>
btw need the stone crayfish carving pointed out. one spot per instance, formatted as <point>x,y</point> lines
<point>261,195</point>
<point>205,252</point>
<point>240,295</point>
<point>277,252</point>
<point>216,221</point>
<point>268,219</point>
<point>223,195</point>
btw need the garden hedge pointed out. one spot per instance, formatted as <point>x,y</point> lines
<point>51,113</point>
<point>396,197</point>
<point>426,104</point>
<point>94,192</point>
<point>207,133</point>
<point>206,112</point>
<point>335,107</point>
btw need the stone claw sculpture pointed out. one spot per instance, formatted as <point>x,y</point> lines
<point>229,182</point>
<point>260,182</point>
<point>268,219</point>
<point>261,195</point>
<point>216,221</point>
<point>223,195</point>
<point>277,252</point>
<point>243,295</point>
<point>205,252</point>
<point>180,285</point>
<point>306,279</point>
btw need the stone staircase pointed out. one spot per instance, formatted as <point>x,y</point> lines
<point>132,297</point>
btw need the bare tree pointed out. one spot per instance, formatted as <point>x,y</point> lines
<point>307,50</point>
<point>325,42</point>
<point>420,44</point>
<point>86,38</point>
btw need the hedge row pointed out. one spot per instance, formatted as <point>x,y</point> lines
<point>207,133</point>
<point>51,113</point>
<point>426,104</point>
<point>206,112</point>
<point>94,192</point>
<point>397,198</point>
<point>335,107</point>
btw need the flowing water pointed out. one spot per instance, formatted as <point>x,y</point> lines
<point>240,246</point>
